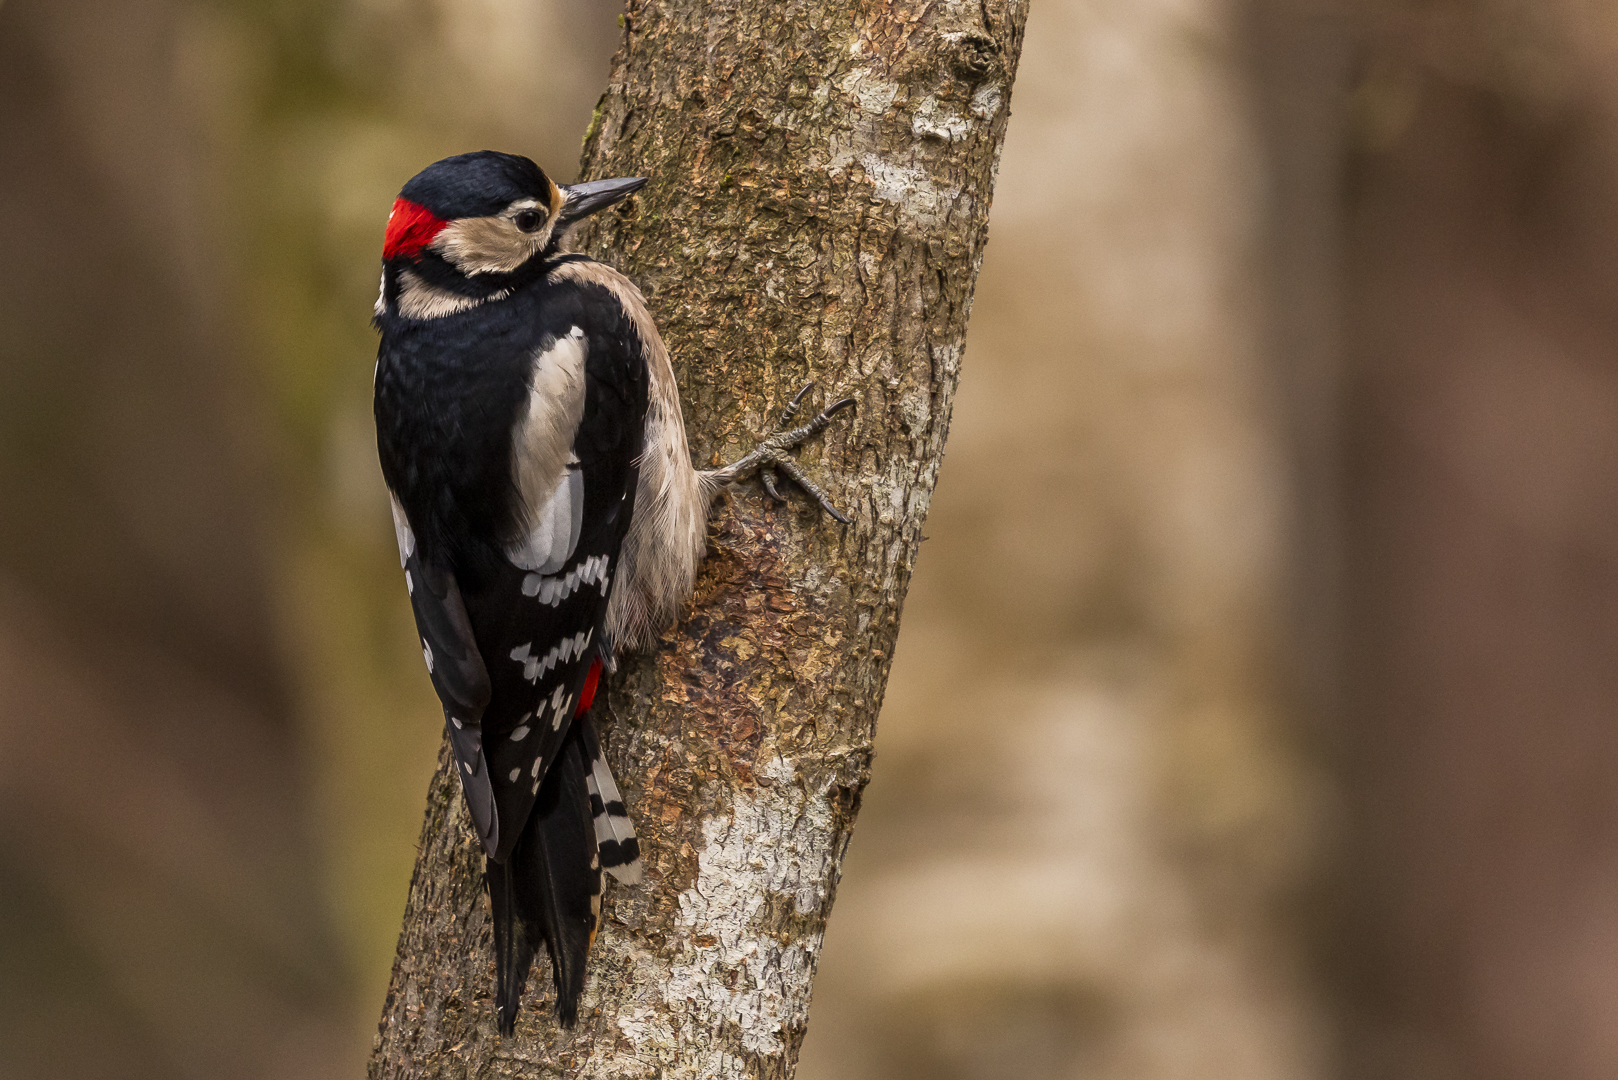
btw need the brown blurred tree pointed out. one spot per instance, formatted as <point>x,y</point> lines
<point>1480,422</point>
<point>821,180</point>
<point>160,904</point>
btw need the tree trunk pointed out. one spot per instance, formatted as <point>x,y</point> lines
<point>820,183</point>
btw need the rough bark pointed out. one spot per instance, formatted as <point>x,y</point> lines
<point>820,183</point>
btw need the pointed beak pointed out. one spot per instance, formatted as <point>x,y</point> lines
<point>579,201</point>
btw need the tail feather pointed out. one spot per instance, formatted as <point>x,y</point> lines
<point>513,947</point>
<point>557,874</point>
<point>615,833</point>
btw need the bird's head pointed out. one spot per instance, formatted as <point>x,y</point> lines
<point>464,229</point>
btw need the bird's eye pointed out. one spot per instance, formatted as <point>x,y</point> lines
<point>529,220</point>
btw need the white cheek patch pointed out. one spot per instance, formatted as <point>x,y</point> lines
<point>494,244</point>
<point>419,300</point>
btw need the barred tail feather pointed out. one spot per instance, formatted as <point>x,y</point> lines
<point>615,833</point>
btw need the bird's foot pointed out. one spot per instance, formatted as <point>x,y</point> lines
<point>771,455</point>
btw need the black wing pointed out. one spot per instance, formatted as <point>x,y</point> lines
<point>542,632</point>
<point>456,668</point>
<point>511,648</point>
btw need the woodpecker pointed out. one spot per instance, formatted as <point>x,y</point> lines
<point>547,514</point>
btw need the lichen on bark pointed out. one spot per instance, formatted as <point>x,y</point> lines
<point>820,180</point>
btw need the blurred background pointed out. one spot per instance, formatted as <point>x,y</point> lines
<point>1253,715</point>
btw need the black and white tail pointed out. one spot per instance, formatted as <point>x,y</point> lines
<point>615,835</point>
<point>550,888</point>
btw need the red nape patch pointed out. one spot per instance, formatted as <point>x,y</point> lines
<point>588,694</point>
<point>411,227</point>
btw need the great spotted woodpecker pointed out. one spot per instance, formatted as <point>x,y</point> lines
<point>547,514</point>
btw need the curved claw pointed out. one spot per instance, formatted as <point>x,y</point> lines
<point>792,406</point>
<point>822,418</point>
<point>812,489</point>
<point>766,477</point>
<point>838,406</point>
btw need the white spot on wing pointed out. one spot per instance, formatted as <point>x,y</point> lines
<point>514,774</point>
<point>569,648</point>
<point>519,735</point>
<point>427,655</point>
<point>553,590</point>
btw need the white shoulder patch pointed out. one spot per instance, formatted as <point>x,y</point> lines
<point>542,451</point>
<point>553,533</point>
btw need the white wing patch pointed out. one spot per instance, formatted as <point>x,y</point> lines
<point>542,453</point>
<point>555,529</point>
